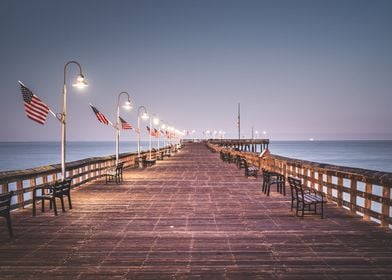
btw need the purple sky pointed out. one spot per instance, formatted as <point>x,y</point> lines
<point>301,69</point>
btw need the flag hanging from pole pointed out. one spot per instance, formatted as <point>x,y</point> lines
<point>101,117</point>
<point>151,132</point>
<point>36,110</point>
<point>125,124</point>
<point>156,131</point>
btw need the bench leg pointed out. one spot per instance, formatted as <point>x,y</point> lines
<point>53,201</point>
<point>62,203</point>
<point>69,201</point>
<point>9,225</point>
<point>322,210</point>
<point>34,207</point>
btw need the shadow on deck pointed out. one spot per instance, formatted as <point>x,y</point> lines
<point>190,216</point>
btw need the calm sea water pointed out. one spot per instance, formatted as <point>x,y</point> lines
<point>23,155</point>
<point>374,155</point>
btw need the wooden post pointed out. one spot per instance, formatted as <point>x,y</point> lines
<point>329,182</point>
<point>386,195</point>
<point>353,195</point>
<point>340,191</point>
<point>19,188</point>
<point>368,201</point>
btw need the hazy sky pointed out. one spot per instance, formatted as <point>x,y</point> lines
<point>301,69</point>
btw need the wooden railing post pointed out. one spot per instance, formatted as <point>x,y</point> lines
<point>368,202</point>
<point>340,191</point>
<point>353,196</point>
<point>386,196</point>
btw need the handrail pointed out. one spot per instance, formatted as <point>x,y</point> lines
<point>23,182</point>
<point>363,192</point>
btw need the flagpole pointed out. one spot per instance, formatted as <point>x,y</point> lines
<point>239,122</point>
<point>144,116</point>
<point>149,139</point>
<point>128,106</point>
<point>80,84</point>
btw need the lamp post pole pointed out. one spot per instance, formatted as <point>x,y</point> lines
<point>156,122</point>
<point>149,137</point>
<point>63,116</point>
<point>128,105</point>
<point>145,116</point>
<point>163,126</point>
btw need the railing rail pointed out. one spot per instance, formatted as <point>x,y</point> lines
<point>23,182</point>
<point>363,192</point>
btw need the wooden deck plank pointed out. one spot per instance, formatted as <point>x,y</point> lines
<point>190,216</point>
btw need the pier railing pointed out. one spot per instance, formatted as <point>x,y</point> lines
<point>23,182</point>
<point>363,192</point>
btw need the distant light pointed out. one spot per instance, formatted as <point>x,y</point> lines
<point>311,139</point>
<point>145,116</point>
<point>80,82</point>
<point>155,121</point>
<point>163,126</point>
<point>127,105</point>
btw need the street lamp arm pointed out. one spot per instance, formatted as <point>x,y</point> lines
<point>72,62</point>
<point>119,95</point>
<point>141,107</point>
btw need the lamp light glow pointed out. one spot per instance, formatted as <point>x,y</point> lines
<point>80,82</point>
<point>145,116</point>
<point>127,105</point>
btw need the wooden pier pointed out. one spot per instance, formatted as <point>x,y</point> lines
<point>191,216</point>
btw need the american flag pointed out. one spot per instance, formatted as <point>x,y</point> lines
<point>151,132</point>
<point>125,124</point>
<point>35,108</point>
<point>156,131</point>
<point>101,117</point>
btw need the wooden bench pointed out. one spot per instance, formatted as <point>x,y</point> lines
<point>5,209</point>
<point>150,162</point>
<point>250,170</point>
<point>115,175</point>
<point>240,162</point>
<point>307,198</point>
<point>141,162</point>
<point>66,191</point>
<point>160,155</point>
<point>273,178</point>
<point>50,192</point>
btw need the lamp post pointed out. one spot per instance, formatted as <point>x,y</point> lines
<point>156,121</point>
<point>163,126</point>
<point>80,83</point>
<point>144,117</point>
<point>127,105</point>
<point>153,120</point>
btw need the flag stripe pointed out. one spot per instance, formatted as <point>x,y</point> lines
<point>36,110</point>
<point>125,124</point>
<point>101,117</point>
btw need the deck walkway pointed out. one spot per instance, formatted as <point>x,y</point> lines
<point>190,216</point>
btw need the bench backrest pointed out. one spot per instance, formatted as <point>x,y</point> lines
<point>5,202</point>
<point>295,184</point>
<point>296,188</point>
<point>119,168</point>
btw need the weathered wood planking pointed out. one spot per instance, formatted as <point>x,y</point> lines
<point>191,216</point>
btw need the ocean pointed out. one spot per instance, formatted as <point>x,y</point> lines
<point>374,155</point>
